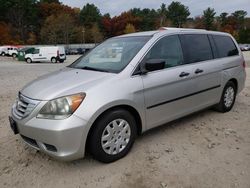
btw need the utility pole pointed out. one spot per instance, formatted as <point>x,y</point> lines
<point>83,32</point>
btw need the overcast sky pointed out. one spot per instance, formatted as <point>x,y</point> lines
<point>115,7</point>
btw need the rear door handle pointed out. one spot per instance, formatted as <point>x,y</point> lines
<point>198,71</point>
<point>183,74</point>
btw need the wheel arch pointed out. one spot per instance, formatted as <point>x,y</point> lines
<point>234,80</point>
<point>129,108</point>
<point>53,57</point>
<point>28,58</point>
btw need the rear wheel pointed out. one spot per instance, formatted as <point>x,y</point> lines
<point>53,60</point>
<point>14,55</point>
<point>28,60</point>
<point>3,54</point>
<point>228,98</point>
<point>113,136</point>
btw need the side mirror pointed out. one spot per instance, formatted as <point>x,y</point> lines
<point>154,64</point>
<point>150,65</point>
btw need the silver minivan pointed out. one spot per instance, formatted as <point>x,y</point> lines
<point>125,86</point>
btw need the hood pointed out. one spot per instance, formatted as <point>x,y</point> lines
<point>64,82</point>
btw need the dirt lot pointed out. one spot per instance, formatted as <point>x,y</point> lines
<point>207,149</point>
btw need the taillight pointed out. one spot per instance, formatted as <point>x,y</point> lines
<point>58,53</point>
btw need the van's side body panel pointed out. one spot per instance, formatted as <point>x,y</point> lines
<point>167,97</point>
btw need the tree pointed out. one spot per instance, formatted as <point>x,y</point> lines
<point>32,39</point>
<point>208,18</point>
<point>244,36</point>
<point>89,15</point>
<point>223,19</point>
<point>58,29</point>
<point>198,22</point>
<point>47,9</point>
<point>5,34</point>
<point>162,12</point>
<point>96,34</point>
<point>50,1</point>
<point>107,25</point>
<point>50,21</point>
<point>147,19</point>
<point>239,15</point>
<point>21,15</point>
<point>116,25</point>
<point>177,13</point>
<point>129,28</point>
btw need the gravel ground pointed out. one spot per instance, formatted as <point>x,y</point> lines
<point>207,149</point>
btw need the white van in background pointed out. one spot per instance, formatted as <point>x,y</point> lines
<point>9,51</point>
<point>51,54</point>
<point>12,51</point>
<point>3,50</point>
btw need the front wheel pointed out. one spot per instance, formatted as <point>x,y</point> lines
<point>28,60</point>
<point>228,98</point>
<point>113,136</point>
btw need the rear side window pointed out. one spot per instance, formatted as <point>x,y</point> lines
<point>196,48</point>
<point>225,46</point>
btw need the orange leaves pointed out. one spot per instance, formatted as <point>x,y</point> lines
<point>5,34</point>
<point>117,25</point>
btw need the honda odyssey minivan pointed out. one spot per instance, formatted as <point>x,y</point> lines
<point>125,86</point>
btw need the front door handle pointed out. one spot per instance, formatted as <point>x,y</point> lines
<point>183,74</point>
<point>198,71</point>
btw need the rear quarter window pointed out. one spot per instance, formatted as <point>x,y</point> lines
<point>196,48</point>
<point>225,46</point>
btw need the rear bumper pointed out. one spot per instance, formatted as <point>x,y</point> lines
<point>61,139</point>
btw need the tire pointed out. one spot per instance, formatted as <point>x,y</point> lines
<point>3,54</point>
<point>14,55</point>
<point>28,60</point>
<point>53,60</point>
<point>122,138</point>
<point>227,103</point>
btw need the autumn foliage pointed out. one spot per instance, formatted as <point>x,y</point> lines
<point>5,34</point>
<point>51,22</point>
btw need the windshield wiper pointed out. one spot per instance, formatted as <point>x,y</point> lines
<point>94,69</point>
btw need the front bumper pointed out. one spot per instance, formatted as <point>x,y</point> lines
<point>61,139</point>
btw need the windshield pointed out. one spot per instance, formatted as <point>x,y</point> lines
<point>113,55</point>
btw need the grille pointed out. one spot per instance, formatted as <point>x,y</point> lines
<point>24,106</point>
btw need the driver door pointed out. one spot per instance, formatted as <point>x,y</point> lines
<point>36,55</point>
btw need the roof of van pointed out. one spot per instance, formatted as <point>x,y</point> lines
<point>144,33</point>
<point>165,30</point>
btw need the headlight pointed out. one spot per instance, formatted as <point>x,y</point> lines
<point>62,107</point>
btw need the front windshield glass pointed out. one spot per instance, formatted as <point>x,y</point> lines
<point>113,55</point>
